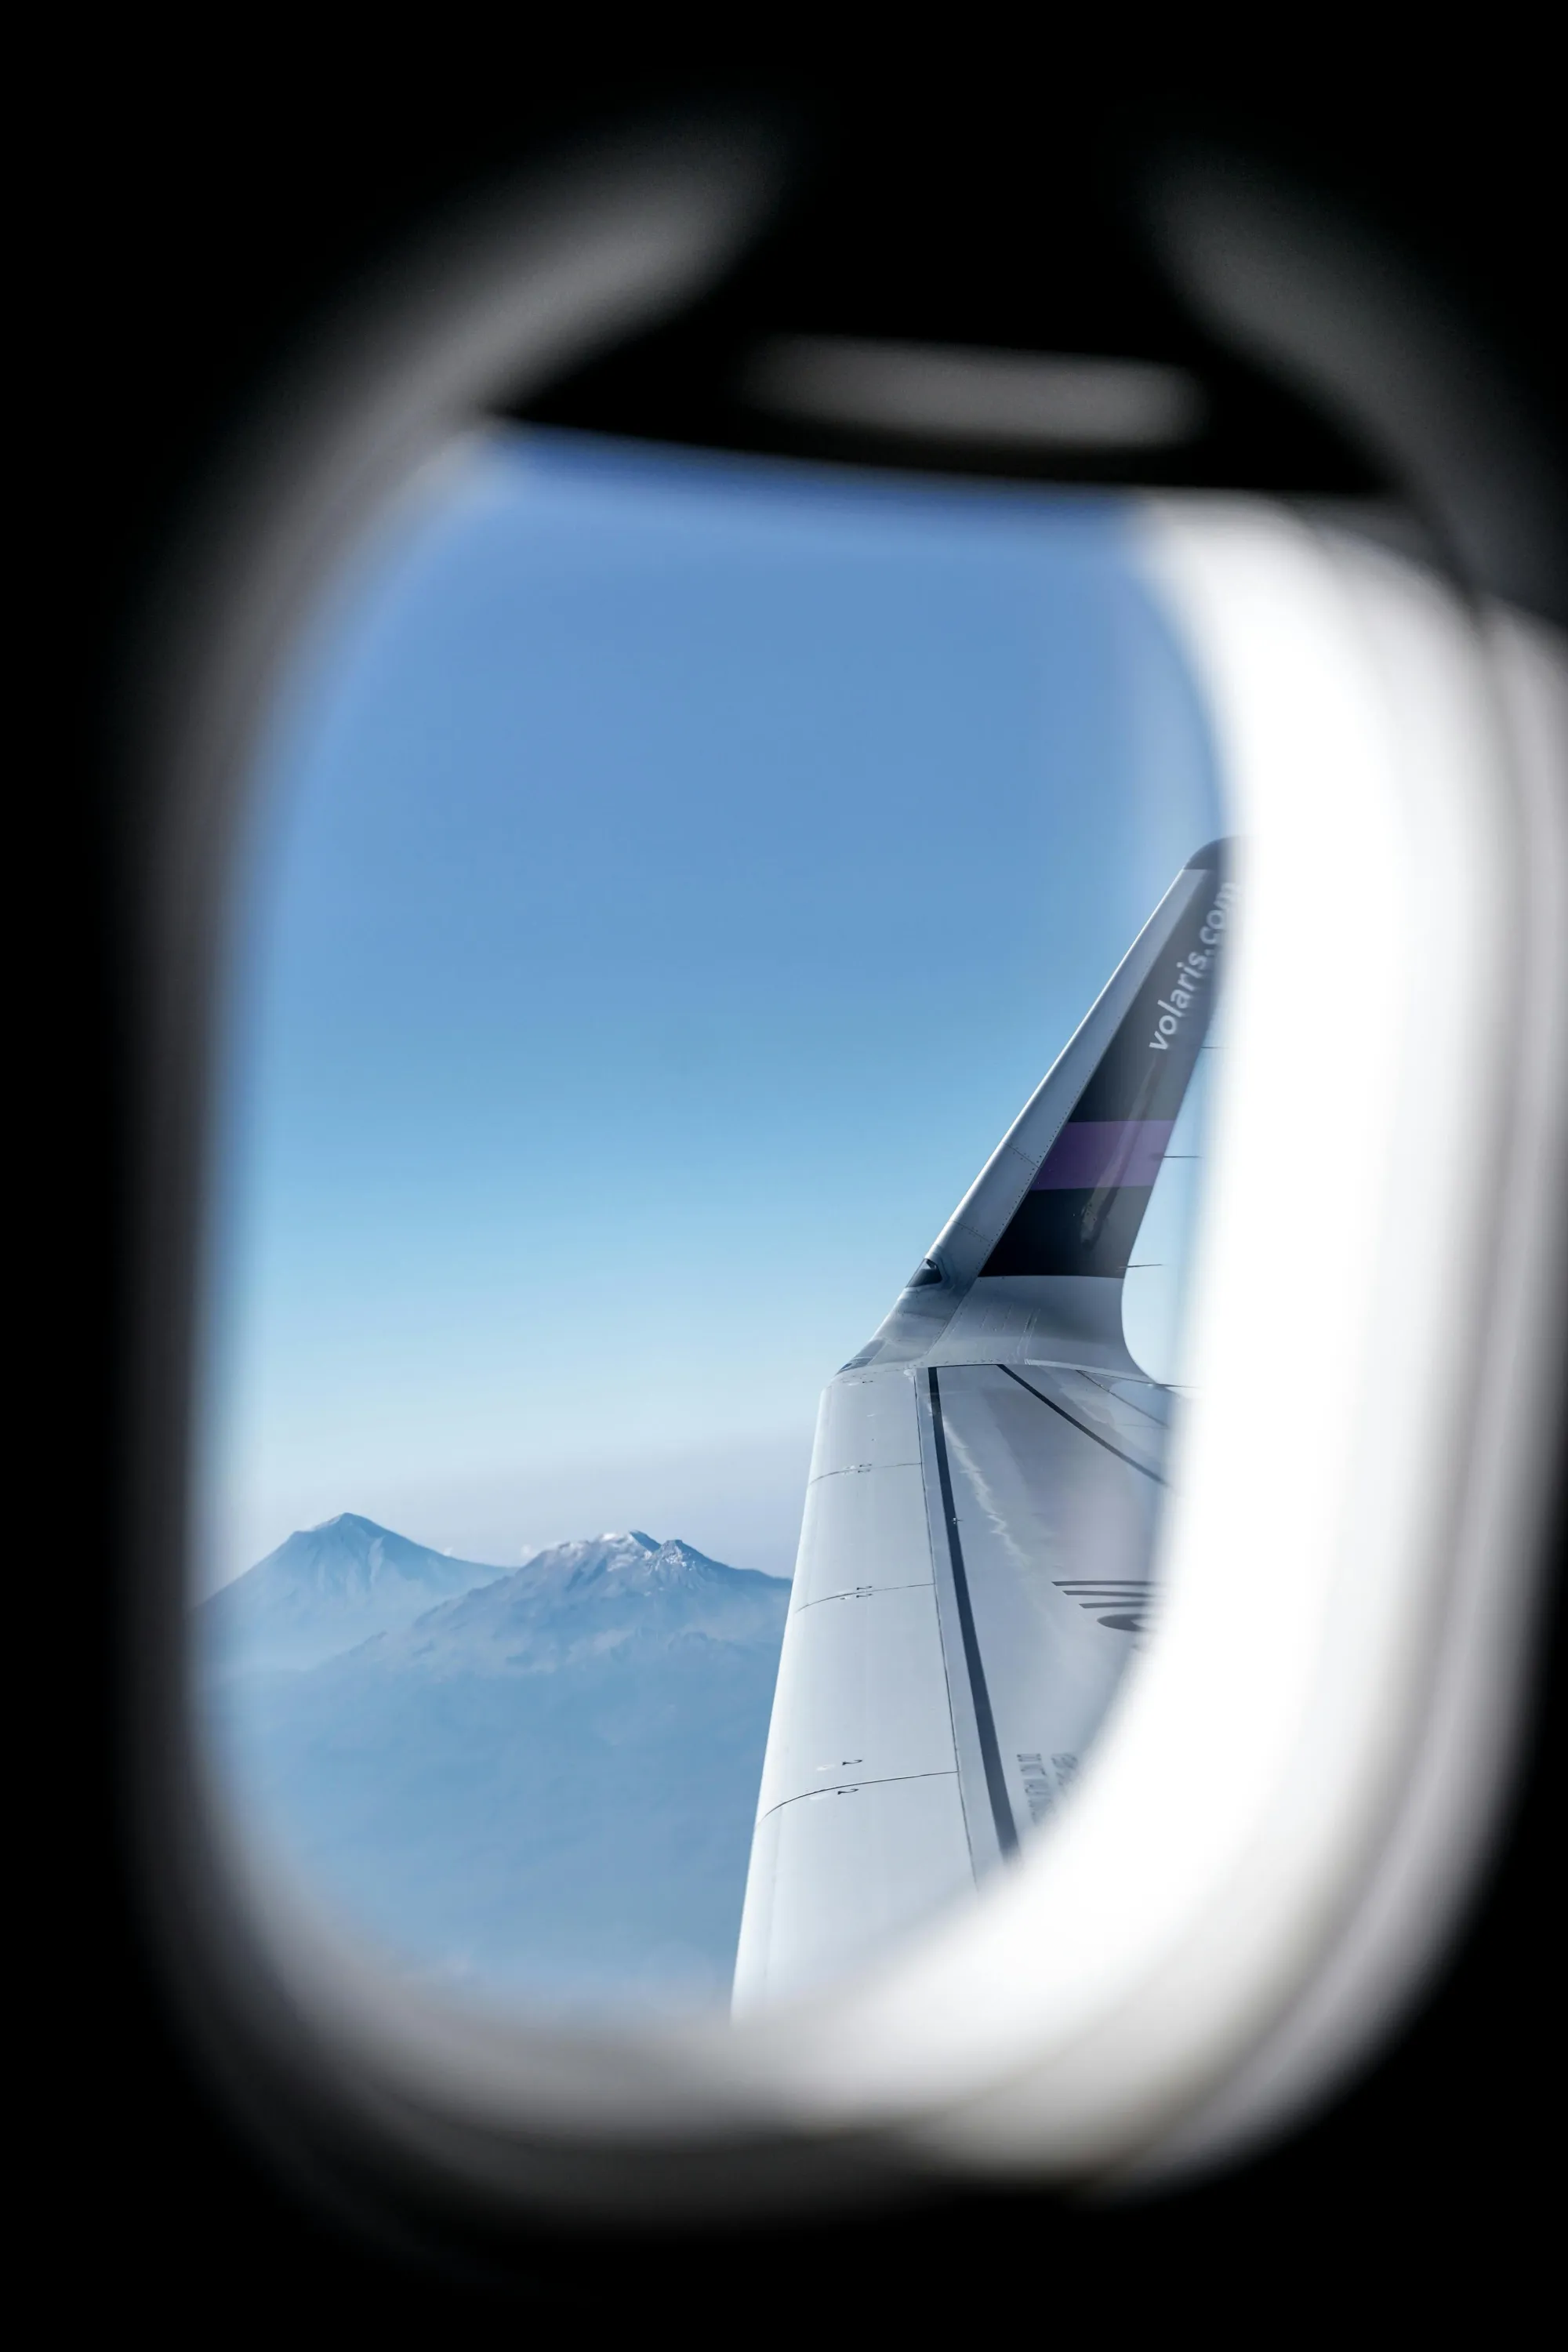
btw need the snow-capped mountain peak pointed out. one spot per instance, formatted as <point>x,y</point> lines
<point>329,1590</point>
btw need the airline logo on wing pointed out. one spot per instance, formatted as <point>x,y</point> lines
<point>1085,1203</point>
<point>1191,972</point>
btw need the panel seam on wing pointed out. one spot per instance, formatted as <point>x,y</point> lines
<point>862,1593</point>
<point>851,1469</point>
<point>843,1787</point>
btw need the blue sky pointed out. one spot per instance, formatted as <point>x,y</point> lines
<point>669,877</point>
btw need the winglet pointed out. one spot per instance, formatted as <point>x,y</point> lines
<point>1065,1192</point>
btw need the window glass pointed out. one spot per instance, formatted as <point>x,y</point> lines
<point>669,878</point>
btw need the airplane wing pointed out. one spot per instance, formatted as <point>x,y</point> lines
<point>975,1552</point>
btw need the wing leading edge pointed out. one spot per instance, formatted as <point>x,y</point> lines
<point>974,1555</point>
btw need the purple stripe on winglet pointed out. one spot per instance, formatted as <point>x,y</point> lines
<point>1093,1152</point>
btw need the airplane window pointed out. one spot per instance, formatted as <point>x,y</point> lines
<point>679,891</point>
<point>674,801</point>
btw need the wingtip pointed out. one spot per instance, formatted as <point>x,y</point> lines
<point>1211,858</point>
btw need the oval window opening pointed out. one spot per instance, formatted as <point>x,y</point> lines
<point>681,891</point>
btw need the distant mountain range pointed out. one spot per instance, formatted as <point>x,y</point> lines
<point>540,1782</point>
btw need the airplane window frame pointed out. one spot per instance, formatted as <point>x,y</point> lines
<point>286,515</point>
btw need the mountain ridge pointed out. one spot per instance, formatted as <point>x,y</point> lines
<point>579,1602</point>
<point>328,1590</point>
<point>543,1784</point>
